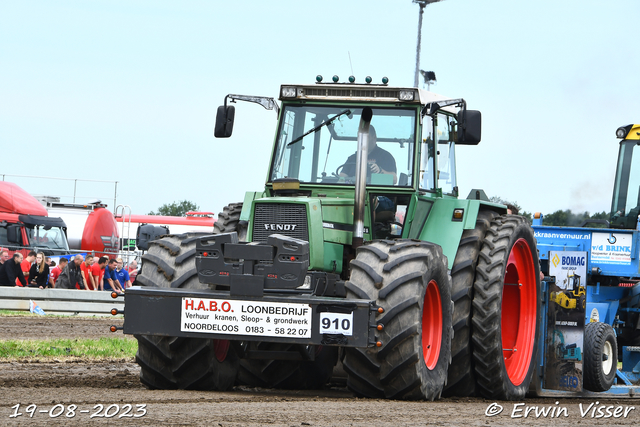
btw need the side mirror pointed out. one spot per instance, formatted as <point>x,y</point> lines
<point>224,121</point>
<point>469,127</point>
<point>13,234</point>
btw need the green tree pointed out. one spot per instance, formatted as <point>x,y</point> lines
<point>566,218</point>
<point>176,208</point>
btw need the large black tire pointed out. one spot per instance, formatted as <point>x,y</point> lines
<point>506,309</point>
<point>600,356</point>
<point>409,280</point>
<point>172,362</point>
<point>229,221</point>
<point>461,378</point>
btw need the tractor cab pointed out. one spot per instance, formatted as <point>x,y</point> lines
<point>625,205</point>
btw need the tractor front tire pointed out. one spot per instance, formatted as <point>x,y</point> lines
<point>408,279</point>
<point>178,362</point>
<point>600,356</point>
<point>229,221</point>
<point>506,309</point>
<point>461,378</point>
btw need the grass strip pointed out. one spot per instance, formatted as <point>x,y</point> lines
<point>101,348</point>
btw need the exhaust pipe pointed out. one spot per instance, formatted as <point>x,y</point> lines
<point>362,157</point>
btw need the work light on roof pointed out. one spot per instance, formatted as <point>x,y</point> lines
<point>407,95</point>
<point>352,79</point>
<point>385,80</point>
<point>621,132</point>
<point>318,78</point>
<point>335,78</point>
<point>288,92</point>
<point>368,79</point>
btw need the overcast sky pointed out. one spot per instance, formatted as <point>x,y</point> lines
<point>127,90</point>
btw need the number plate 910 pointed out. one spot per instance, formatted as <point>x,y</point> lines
<point>336,323</point>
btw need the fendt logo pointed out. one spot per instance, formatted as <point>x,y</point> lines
<point>556,260</point>
<point>280,227</point>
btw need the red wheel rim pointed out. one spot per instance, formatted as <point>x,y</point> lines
<point>431,325</point>
<point>519,312</point>
<point>220,349</point>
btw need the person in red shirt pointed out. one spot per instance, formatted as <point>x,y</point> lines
<point>86,271</point>
<point>25,266</point>
<point>97,271</point>
<point>133,270</point>
<point>55,271</point>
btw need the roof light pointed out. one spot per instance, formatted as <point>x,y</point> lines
<point>385,80</point>
<point>368,79</point>
<point>318,78</point>
<point>352,79</point>
<point>407,95</point>
<point>288,92</point>
<point>335,78</point>
<point>621,132</point>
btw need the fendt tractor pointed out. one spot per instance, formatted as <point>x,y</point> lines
<point>604,321</point>
<point>357,253</point>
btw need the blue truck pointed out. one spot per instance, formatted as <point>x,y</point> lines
<point>604,311</point>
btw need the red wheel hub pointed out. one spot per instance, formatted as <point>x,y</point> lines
<point>431,325</point>
<point>519,312</point>
<point>220,349</point>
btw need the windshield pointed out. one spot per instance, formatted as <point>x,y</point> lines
<point>328,154</point>
<point>625,205</point>
<point>44,236</point>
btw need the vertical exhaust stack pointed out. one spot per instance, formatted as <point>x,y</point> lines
<point>362,156</point>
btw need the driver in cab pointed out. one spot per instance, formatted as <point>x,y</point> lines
<point>379,160</point>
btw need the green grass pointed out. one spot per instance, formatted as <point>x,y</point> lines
<point>102,348</point>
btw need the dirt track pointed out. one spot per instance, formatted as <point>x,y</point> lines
<point>86,384</point>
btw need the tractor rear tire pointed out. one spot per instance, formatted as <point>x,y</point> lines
<point>506,309</point>
<point>600,356</point>
<point>408,279</point>
<point>286,374</point>
<point>178,362</point>
<point>461,380</point>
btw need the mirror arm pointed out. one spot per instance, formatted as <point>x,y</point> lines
<point>266,102</point>
<point>432,107</point>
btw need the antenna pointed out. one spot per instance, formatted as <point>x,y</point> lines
<point>350,64</point>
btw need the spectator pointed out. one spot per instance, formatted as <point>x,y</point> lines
<point>55,271</point>
<point>4,255</point>
<point>71,275</point>
<point>86,273</point>
<point>110,280</point>
<point>39,272</point>
<point>122,274</point>
<point>11,272</point>
<point>48,261</point>
<point>97,271</point>
<point>133,270</point>
<point>26,266</point>
<point>512,210</point>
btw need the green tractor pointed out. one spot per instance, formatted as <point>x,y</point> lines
<point>357,253</point>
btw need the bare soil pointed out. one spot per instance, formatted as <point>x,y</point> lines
<point>87,383</point>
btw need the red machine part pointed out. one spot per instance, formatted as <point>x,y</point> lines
<point>15,200</point>
<point>100,233</point>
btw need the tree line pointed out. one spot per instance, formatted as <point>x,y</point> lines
<point>563,218</point>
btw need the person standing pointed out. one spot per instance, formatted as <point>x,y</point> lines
<point>122,274</point>
<point>71,275</point>
<point>56,271</point>
<point>39,272</point>
<point>97,271</point>
<point>86,273</point>
<point>133,270</point>
<point>10,273</point>
<point>110,280</point>
<point>4,255</point>
<point>26,266</point>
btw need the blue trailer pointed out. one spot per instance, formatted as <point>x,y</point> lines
<point>611,315</point>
